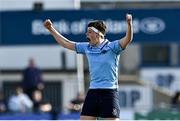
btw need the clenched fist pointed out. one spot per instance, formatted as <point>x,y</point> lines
<point>48,24</point>
<point>129,18</point>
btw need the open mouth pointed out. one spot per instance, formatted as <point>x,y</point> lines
<point>88,39</point>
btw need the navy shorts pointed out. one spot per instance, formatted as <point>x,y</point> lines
<point>102,103</point>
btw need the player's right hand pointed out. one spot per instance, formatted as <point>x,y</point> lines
<point>48,24</point>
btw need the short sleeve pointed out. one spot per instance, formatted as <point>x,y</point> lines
<point>81,47</point>
<point>116,47</point>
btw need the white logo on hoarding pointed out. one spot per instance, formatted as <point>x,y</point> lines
<point>152,25</point>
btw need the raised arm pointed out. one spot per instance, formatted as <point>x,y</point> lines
<point>58,37</point>
<point>129,33</point>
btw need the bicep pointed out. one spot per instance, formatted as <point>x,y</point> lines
<point>123,43</point>
<point>70,45</point>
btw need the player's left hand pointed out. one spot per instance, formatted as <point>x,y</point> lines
<point>129,18</point>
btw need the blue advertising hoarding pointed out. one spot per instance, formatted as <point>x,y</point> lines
<point>150,25</point>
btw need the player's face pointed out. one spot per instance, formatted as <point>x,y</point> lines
<point>92,36</point>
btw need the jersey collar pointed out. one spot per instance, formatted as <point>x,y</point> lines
<point>100,46</point>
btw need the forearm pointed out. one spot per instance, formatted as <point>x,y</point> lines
<point>62,40</point>
<point>129,34</point>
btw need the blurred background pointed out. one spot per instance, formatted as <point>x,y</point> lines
<point>41,79</point>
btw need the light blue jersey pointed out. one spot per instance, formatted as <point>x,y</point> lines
<point>103,63</point>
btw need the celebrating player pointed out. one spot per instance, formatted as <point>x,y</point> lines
<point>103,59</point>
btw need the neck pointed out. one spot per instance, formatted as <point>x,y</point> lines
<point>100,41</point>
